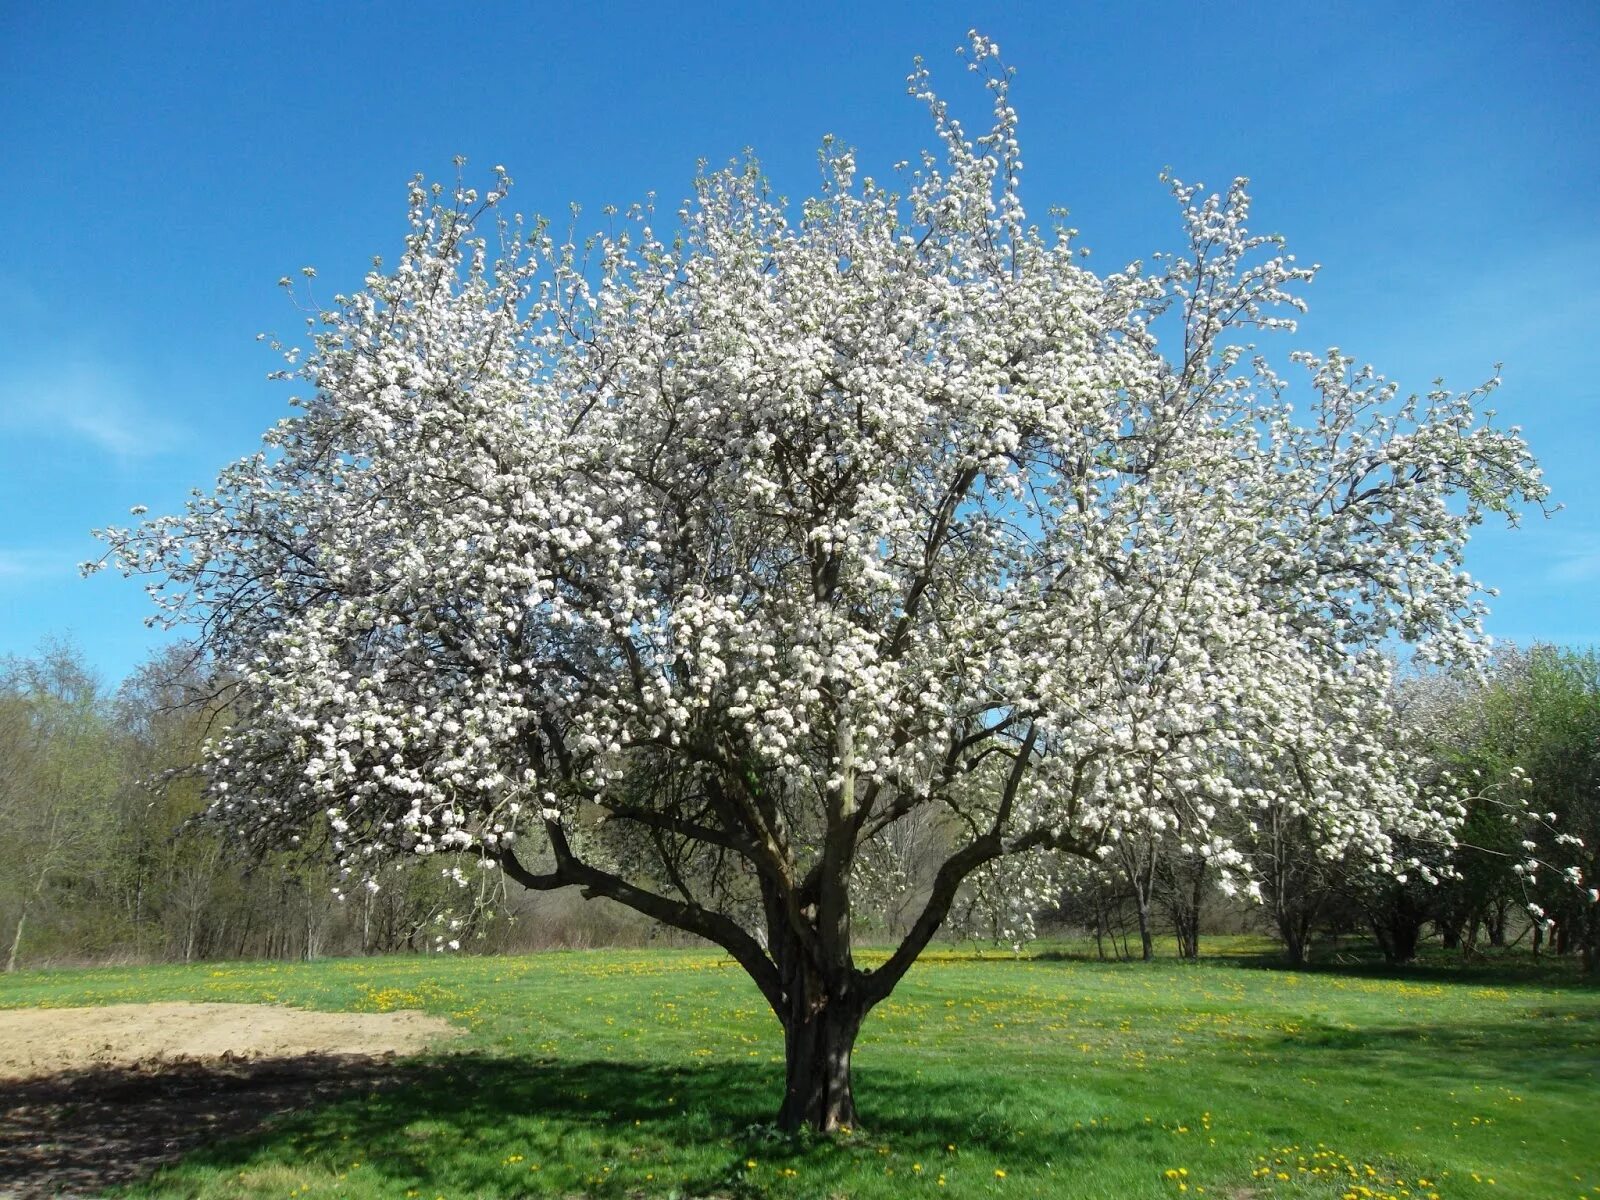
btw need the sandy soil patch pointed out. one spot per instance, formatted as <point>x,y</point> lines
<point>46,1041</point>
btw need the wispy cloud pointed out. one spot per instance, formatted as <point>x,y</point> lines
<point>18,566</point>
<point>1577,559</point>
<point>86,402</point>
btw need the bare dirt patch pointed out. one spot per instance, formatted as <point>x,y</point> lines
<point>91,1097</point>
<point>37,1042</point>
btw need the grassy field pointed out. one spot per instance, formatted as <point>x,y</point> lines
<point>652,1073</point>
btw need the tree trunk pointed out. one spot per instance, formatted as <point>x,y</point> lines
<point>1396,918</point>
<point>1295,929</point>
<point>1496,921</point>
<point>1397,936</point>
<point>1296,950</point>
<point>138,906</point>
<point>1143,878</point>
<point>1196,896</point>
<point>817,1043</point>
<point>1188,935</point>
<point>244,936</point>
<point>16,942</point>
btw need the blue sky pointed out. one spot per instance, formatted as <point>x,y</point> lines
<point>165,165</point>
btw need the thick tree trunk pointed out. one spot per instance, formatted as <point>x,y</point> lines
<point>817,1048</point>
<point>1187,929</point>
<point>1396,919</point>
<point>1296,933</point>
<point>1296,951</point>
<point>1397,937</point>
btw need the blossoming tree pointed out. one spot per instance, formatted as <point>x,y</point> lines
<point>681,566</point>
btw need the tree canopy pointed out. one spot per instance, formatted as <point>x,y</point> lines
<point>683,564</point>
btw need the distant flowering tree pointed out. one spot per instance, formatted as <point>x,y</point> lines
<point>682,566</point>
<point>1521,746</point>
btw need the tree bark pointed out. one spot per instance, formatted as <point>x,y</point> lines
<point>1147,946</point>
<point>1295,931</point>
<point>16,942</point>
<point>1197,888</point>
<point>1142,875</point>
<point>1496,921</point>
<point>818,1039</point>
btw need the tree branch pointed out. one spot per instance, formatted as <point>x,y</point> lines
<point>592,881</point>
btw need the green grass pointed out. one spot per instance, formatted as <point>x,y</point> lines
<point>652,1073</point>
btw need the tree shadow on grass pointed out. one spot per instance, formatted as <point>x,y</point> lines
<point>1553,974</point>
<point>484,1125</point>
<point>1357,962</point>
<point>1549,1050</point>
<point>80,1132</point>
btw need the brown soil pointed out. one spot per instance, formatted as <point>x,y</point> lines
<point>91,1097</point>
<point>46,1041</point>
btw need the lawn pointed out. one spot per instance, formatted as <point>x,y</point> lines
<point>653,1073</point>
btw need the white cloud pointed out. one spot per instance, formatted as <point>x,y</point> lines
<point>1577,559</point>
<point>86,402</point>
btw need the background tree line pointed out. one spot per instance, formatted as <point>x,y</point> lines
<point>105,861</point>
<point>1521,748</point>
